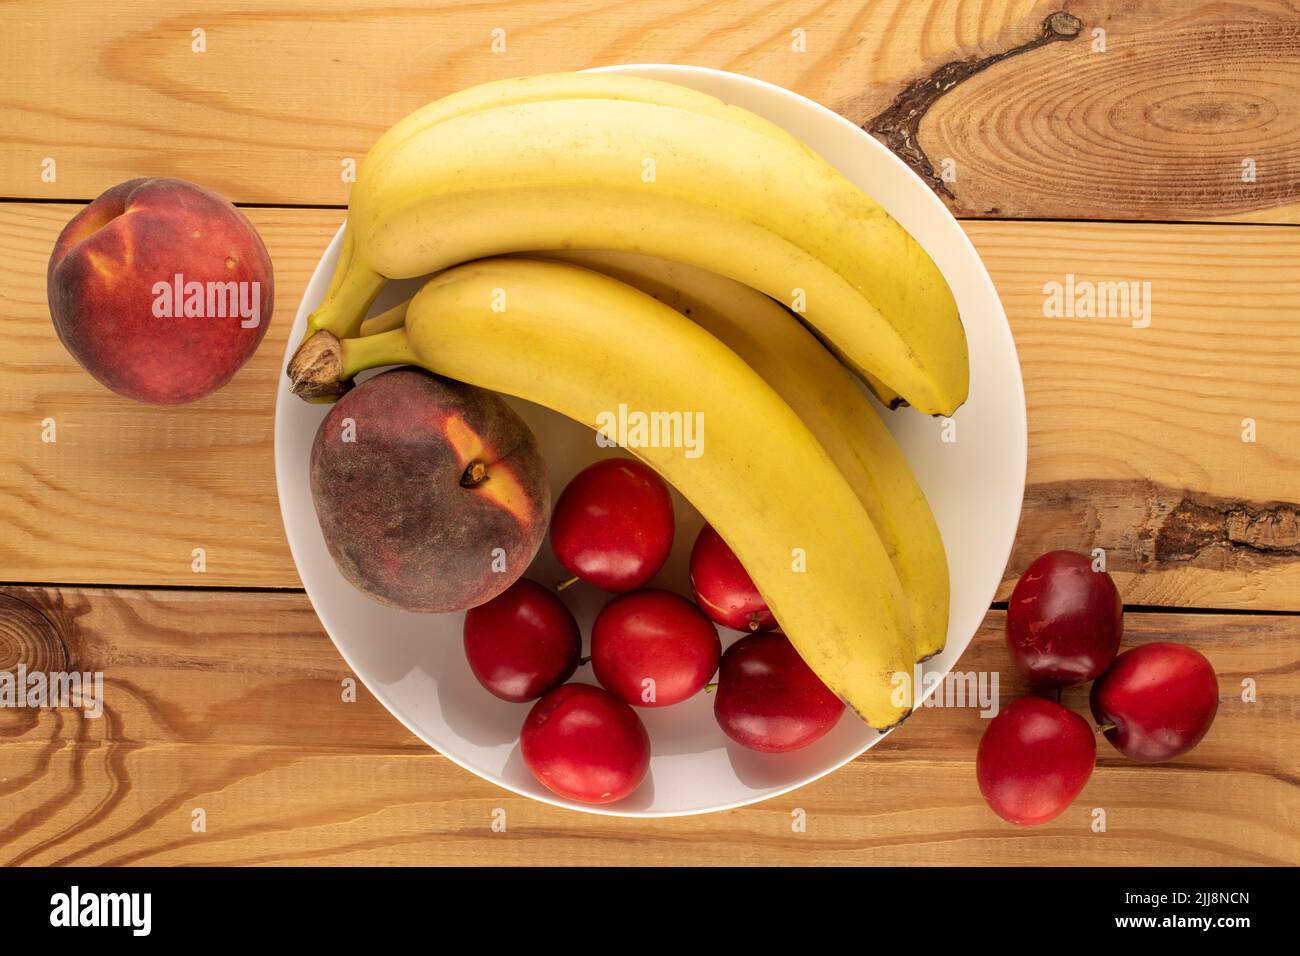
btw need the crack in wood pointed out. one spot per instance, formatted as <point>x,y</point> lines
<point>898,125</point>
<point>1200,522</point>
<point>1145,526</point>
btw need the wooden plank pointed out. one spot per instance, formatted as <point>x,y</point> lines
<point>1137,434</point>
<point>1155,127</point>
<point>230,702</point>
<point>1135,441</point>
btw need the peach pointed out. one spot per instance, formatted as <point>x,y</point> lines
<point>431,494</point>
<point>161,289</point>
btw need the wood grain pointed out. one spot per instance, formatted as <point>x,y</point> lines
<point>231,702</point>
<point>1156,127</point>
<point>1135,434</point>
<point>1153,118</point>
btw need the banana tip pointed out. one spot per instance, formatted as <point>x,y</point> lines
<point>895,725</point>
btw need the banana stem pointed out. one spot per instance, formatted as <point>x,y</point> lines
<point>375,351</point>
<point>345,308</point>
<point>345,259</point>
<point>394,318</point>
<point>323,367</point>
<point>353,289</point>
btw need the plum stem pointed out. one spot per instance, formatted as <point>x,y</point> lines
<point>710,688</point>
<point>584,661</point>
<point>567,583</point>
<point>1107,727</point>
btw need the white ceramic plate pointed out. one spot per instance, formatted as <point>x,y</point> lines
<point>414,664</point>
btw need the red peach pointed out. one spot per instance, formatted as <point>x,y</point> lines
<point>113,281</point>
<point>431,494</point>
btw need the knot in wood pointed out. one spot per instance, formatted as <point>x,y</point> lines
<point>29,638</point>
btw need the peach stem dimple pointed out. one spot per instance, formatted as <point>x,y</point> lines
<point>474,475</point>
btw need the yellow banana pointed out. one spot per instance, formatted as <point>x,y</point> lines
<point>825,395</point>
<point>678,299</point>
<point>520,90</point>
<point>558,86</point>
<point>624,174</point>
<point>584,344</point>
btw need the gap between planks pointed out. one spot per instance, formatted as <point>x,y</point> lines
<point>342,207</point>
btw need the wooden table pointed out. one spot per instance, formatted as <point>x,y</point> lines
<point>1154,141</point>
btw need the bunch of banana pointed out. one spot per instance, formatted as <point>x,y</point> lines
<point>601,161</point>
<point>580,343</point>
